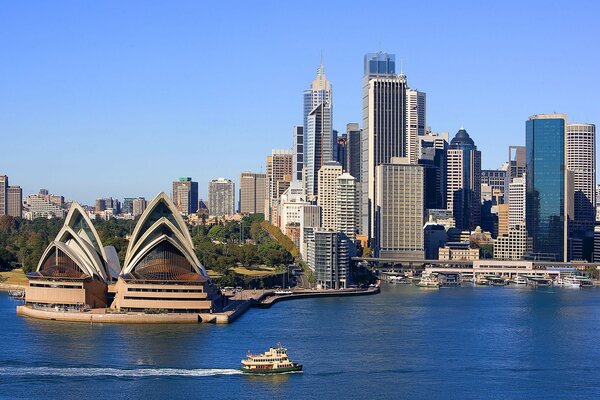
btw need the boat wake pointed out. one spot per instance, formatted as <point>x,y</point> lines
<point>114,372</point>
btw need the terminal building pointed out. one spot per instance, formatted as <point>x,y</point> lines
<point>161,272</point>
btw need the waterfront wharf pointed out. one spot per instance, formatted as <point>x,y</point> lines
<point>237,304</point>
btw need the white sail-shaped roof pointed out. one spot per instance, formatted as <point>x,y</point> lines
<point>79,241</point>
<point>160,223</point>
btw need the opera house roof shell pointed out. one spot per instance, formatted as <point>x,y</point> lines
<point>76,252</point>
<point>160,247</point>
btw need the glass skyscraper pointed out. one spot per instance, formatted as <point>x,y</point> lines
<point>547,199</point>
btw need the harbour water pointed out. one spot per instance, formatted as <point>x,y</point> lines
<point>467,343</point>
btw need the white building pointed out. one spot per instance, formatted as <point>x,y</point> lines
<point>346,205</point>
<point>40,206</point>
<point>516,202</point>
<point>416,122</point>
<point>326,198</point>
<point>581,160</point>
<point>513,246</point>
<point>329,258</point>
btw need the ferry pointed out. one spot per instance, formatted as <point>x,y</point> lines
<point>274,361</point>
<point>518,280</point>
<point>428,281</point>
<point>496,281</point>
<point>569,282</point>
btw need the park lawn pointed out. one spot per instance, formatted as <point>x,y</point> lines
<point>253,272</point>
<point>14,277</point>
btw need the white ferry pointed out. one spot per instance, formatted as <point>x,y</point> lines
<point>274,361</point>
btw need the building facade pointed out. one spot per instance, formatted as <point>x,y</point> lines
<point>346,205</point>
<point>463,170</point>
<point>400,211</point>
<point>384,125</point>
<point>298,160</point>
<point>185,195</point>
<point>547,192</point>
<point>514,245</point>
<point>279,169</point>
<point>253,190</point>
<point>3,194</point>
<point>15,201</point>
<point>329,257</point>
<point>221,197</point>
<point>326,199</point>
<point>416,122</point>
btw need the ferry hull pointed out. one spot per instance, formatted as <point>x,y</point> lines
<point>295,368</point>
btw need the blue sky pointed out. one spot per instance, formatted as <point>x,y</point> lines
<point>118,98</point>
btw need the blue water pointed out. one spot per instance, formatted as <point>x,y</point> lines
<point>455,343</point>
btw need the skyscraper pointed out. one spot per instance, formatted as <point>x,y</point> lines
<point>581,160</point>
<point>185,195</point>
<point>353,150</point>
<point>384,124</point>
<point>138,206</point>
<point>326,199</point>
<point>464,181</point>
<point>416,122</point>
<point>15,201</point>
<point>400,210</point>
<point>516,161</point>
<point>516,202</point>
<point>3,194</point>
<point>345,205</point>
<point>329,257</point>
<point>279,169</point>
<point>221,197</point>
<point>298,152</point>
<point>340,149</point>
<point>318,129</point>
<point>548,196</point>
<point>253,189</point>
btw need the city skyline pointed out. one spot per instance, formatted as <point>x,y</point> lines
<point>93,95</point>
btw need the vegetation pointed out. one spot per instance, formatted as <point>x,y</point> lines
<point>251,247</point>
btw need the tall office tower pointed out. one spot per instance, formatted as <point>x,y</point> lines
<point>345,205</point>
<point>185,195</point>
<point>15,201</point>
<point>432,155</point>
<point>517,159</point>
<point>298,152</point>
<point>310,220</point>
<point>3,194</point>
<point>318,144</point>
<point>400,214</point>
<point>318,129</point>
<point>581,160</point>
<point>353,150</point>
<point>127,205</point>
<point>329,257</point>
<point>464,181</point>
<point>548,198</point>
<point>326,198</point>
<point>497,180</point>
<point>384,124</point>
<point>279,169</point>
<point>100,205</point>
<point>340,152</point>
<point>503,219</point>
<point>221,197</point>
<point>516,202</point>
<point>253,188</point>
<point>415,125</point>
<point>138,206</point>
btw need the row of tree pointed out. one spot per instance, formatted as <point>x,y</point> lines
<point>220,246</point>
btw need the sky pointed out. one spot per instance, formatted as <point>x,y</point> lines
<point>114,98</point>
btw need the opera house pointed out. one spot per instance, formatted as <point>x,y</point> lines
<point>161,272</point>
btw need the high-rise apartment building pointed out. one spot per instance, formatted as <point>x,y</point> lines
<point>416,122</point>
<point>279,169</point>
<point>3,194</point>
<point>463,174</point>
<point>185,195</point>
<point>253,189</point>
<point>581,160</point>
<point>221,197</point>
<point>326,199</point>
<point>298,153</point>
<point>400,210</point>
<point>548,198</point>
<point>384,125</point>
<point>15,201</point>
<point>44,205</point>
<point>329,256</point>
<point>346,205</point>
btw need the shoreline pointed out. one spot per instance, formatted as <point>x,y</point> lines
<point>264,300</point>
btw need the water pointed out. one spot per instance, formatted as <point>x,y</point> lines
<point>467,343</point>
